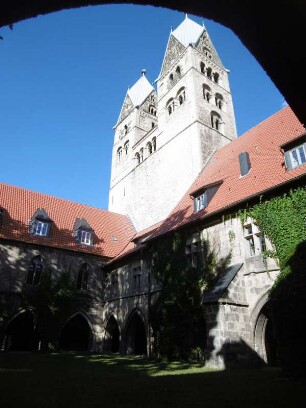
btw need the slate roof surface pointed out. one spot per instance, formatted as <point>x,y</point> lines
<point>267,169</point>
<point>188,32</point>
<point>112,231</point>
<point>140,91</point>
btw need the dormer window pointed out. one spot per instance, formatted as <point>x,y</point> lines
<point>86,237</point>
<point>296,156</point>
<point>202,197</point>
<point>200,201</point>
<point>40,224</point>
<point>82,232</point>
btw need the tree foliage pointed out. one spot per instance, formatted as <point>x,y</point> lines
<point>177,317</point>
<point>283,220</point>
<point>51,302</point>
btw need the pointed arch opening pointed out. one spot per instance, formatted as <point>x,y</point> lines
<point>20,333</point>
<point>112,336</point>
<point>135,336</point>
<point>76,335</point>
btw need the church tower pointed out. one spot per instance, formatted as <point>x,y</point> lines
<point>164,139</point>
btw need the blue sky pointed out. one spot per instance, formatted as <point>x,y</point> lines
<point>63,79</point>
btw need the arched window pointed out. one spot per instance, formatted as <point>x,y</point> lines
<point>219,100</point>
<point>152,110</point>
<point>206,52</point>
<point>141,154</point>
<point>202,67</point>
<point>119,153</point>
<point>35,270</point>
<point>126,146</point>
<point>216,77</point>
<point>206,92</point>
<point>181,96</point>
<point>137,157</point>
<point>178,71</point>
<point>126,129</point>
<point>149,148</point>
<point>154,144</point>
<point>152,125</point>
<point>82,278</point>
<point>216,120</point>
<point>209,73</point>
<point>171,77</point>
<point>170,106</point>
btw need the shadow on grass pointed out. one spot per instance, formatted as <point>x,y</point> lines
<point>92,380</point>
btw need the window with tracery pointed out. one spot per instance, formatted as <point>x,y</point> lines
<point>154,144</point>
<point>181,96</point>
<point>137,157</point>
<point>206,92</point>
<point>149,148</point>
<point>219,100</point>
<point>82,278</point>
<point>119,153</point>
<point>216,121</point>
<point>35,271</point>
<point>170,106</point>
<point>126,146</point>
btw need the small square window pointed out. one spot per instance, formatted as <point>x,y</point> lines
<point>295,157</point>
<point>200,202</point>
<point>86,237</point>
<point>41,228</point>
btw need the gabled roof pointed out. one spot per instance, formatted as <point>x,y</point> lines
<point>188,32</point>
<point>112,231</point>
<point>140,91</point>
<point>267,170</point>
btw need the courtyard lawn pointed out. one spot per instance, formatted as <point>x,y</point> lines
<point>92,380</point>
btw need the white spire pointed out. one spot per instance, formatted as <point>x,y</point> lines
<point>188,32</point>
<point>140,90</point>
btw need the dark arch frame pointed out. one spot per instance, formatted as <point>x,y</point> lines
<point>29,342</point>
<point>112,337</point>
<point>129,345</point>
<point>279,55</point>
<point>91,339</point>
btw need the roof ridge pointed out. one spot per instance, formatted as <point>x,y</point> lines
<point>54,197</point>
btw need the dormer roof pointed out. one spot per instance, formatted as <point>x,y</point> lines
<point>263,144</point>
<point>112,231</point>
<point>188,32</point>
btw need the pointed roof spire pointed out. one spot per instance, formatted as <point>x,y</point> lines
<point>140,90</point>
<point>188,32</point>
<point>143,72</point>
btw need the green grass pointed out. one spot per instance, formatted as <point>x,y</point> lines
<point>91,380</point>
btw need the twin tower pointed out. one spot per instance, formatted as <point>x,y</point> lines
<point>165,136</point>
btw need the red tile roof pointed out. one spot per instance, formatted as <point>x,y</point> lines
<point>267,169</point>
<point>137,242</point>
<point>112,232</point>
